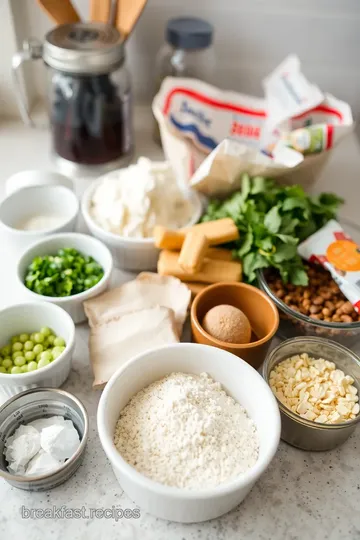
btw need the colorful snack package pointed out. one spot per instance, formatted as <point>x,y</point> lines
<point>339,254</point>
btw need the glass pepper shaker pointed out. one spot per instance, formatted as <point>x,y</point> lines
<point>89,95</point>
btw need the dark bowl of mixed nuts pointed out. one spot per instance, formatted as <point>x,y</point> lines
<point>319,309</point>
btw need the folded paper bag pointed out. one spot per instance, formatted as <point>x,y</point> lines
<point>117,341</point>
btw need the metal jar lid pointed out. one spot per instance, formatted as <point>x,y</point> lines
<point>84,48</point>
<point>189,33</point>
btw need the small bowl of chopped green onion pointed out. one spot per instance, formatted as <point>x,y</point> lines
<point>65,269</point>
<point>37,341</point>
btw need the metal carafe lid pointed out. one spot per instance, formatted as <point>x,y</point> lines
<point>84,48</point>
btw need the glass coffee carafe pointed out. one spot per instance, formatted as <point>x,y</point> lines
<point>89,95</point>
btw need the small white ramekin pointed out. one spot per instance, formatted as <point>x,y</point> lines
<point>238,378</point>
<point>31,201</point>
<point>36,177</point>
<point>28,318</point>
<point>85,244</point>
<point>132,254</point>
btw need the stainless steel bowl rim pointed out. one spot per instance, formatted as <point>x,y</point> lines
<point>297,418</point>
<point>28,479</point>
<point>296,314</point>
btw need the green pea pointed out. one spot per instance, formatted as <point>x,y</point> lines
<point>7,363</point>
<point>46,355</point>
<point>2,369</point>
<point>6,351</point>
<point>51,339</point>
<point>43,362</point>
<point>45,331</point>
<point>38,348</point>
<point>57,351</point>
<point>19,361</point>
<point>16,354</point>
<point>39,338</point>
<point>28,345</point>
<point>24,369</point>
<point>23,337</point>
<point>16,370</point>
<point>59,342</point>
<point>32,366</point>
<point>29,356</point>
<point>17,346</point>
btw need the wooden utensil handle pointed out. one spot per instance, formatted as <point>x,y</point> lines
<point>60,11</point>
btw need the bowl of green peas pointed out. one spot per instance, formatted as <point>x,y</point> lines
<point>65,270</point>
<point>37,340</point>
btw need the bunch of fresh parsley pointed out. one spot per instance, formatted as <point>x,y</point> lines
<point>272,220</point>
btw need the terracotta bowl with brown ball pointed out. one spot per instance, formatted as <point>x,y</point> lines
<point>256,305</point>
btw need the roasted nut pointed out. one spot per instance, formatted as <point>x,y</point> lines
<point>321,299</point>
<point>330,306</point>
<point>347,308</point>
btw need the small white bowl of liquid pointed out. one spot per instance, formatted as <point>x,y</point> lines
<point>30,213</point>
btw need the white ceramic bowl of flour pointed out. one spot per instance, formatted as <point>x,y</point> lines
<point>238,379</point>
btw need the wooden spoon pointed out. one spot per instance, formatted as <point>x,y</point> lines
<point>100,10</point>
<point>60,11</point>
<point>128,13</point>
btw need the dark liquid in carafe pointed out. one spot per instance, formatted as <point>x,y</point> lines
<point>91,123</point>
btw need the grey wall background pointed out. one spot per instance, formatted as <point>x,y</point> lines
<point>251,38</point>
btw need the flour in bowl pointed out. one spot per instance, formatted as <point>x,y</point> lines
<point>185,431</point>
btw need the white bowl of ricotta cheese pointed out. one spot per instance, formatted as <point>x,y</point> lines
<point>122,208</point>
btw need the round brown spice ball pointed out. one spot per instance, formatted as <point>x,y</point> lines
<point>227,323</point>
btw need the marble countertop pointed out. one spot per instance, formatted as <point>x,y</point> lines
<point>302,495</point>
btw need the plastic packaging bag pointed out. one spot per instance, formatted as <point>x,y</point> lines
<point>228,133</point>
<point>339,254</point>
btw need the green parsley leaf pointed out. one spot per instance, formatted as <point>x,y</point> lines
<point>273,220</point>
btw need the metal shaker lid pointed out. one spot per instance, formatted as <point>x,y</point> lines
<point>84,48</point>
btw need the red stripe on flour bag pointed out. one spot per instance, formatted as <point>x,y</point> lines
<point>209,101</point>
